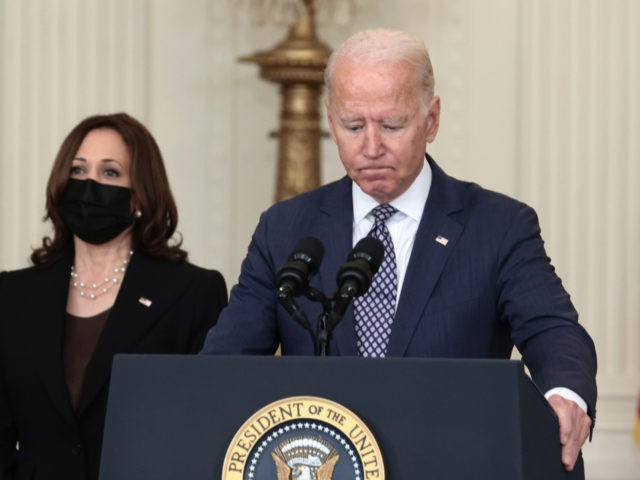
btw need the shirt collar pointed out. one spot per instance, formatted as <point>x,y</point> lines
<point>411,203</point>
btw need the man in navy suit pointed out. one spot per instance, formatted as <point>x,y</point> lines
<point>471,278</point>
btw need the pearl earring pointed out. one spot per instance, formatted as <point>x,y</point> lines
<point>137,214</point>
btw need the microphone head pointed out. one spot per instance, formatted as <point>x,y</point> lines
<point>363,262</point>
<point>310,251</point>
<point>292,278</point>
<point>371,251</point>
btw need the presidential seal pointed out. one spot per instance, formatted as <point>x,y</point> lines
<point>303,438</point>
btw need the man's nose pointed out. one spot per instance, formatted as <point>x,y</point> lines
<point>373,146</point>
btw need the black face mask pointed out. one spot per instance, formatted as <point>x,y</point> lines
<point>95,212</point>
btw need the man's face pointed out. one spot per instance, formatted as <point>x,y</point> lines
<point>379,122</point>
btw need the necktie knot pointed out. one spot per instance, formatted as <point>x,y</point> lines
<point>383,212</point>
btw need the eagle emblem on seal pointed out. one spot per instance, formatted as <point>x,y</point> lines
<point>305,458</point>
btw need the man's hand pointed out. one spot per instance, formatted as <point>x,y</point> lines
<point>574,428</point>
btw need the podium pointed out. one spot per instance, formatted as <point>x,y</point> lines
<point>174,417</point>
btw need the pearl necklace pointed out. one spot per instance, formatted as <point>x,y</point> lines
<point>94,290</point>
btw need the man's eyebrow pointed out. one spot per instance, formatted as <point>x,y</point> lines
<point>396,119</point>
<point>351,118</point>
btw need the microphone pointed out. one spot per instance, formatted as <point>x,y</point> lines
<point>292,278</point>
<point>354,277</point>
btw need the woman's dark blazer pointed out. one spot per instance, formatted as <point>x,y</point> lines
<point>162,307</point>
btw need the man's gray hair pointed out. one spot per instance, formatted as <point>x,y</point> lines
<point>384,46</point>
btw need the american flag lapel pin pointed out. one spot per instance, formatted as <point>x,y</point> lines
<point>145,301</point>
<point>442,241</point>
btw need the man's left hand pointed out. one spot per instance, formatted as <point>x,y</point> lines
<point>575,426</point>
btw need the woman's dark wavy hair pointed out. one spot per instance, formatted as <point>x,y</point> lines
<point>153,231</point>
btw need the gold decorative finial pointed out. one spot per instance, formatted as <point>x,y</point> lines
<point>297,65</point>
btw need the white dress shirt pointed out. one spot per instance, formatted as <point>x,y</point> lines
<point>402,226</point>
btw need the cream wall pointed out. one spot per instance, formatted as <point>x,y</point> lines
<point>540,101</point>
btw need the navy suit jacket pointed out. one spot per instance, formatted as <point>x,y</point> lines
<point>490,287</point>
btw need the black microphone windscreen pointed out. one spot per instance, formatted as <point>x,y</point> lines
<point>369,249</point>
<point>310,251</point>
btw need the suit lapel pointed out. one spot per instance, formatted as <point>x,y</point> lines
<point>49,314</point>
<point>143,298</point>
<point>428,258</point>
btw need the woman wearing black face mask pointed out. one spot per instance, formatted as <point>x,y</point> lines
<point>109,280</point>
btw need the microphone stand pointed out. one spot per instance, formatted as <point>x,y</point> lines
<point>292,308</point>
<point>323,333</point>
<point>333,309</point>
<point>322,337</point>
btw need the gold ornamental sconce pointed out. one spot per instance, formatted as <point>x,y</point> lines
<point>297,64</point>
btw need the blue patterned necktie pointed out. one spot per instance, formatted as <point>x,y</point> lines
<point>374,311</point>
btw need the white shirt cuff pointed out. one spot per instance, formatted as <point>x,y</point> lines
<point>569,395</point>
